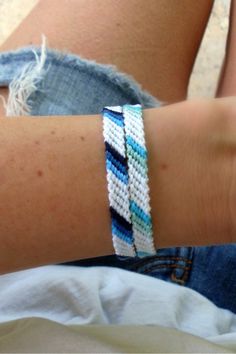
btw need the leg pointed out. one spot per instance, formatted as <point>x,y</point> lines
<point>156,41</point>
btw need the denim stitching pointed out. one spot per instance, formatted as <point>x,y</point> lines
<point>166,266</point>
<point>180,280</point>
<point>164,258</point>
<point>173,276</point>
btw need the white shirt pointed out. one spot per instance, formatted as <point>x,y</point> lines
<point>102,295</point>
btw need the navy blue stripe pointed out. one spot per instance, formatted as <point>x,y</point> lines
<point>122,229</point>
<point>116,154</point>
<point>118,119</point>
<point>116,163</point>
<point>116,114</point>
<point>120,219</point>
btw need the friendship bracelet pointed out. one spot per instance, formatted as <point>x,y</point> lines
<point>117,180</point>
<point>127,178</point>
<point>138,180</point>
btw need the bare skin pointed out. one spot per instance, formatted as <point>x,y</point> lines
<point>52,211</point>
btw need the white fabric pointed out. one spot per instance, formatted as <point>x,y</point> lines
<point>103,295</point>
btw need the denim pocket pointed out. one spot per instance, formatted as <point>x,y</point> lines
<point>170,264</point>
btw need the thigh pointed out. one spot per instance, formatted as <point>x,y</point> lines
<point>4,93</point>
<point>155,41</point>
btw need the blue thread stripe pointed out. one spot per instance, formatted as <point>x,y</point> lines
<point>116,172</point>
<point>120,219</point>
<point>114,119</point>
<point>140,213</point>
<point>136,147</point>
<point>117,114</point>
<point>121,235</point>
<point>116,163</point>
<point>121,228</point>
<point>116,154</point>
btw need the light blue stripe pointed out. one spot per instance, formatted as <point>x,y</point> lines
<point>136,146</point>
<point>141,225</point>
<point>120,235</point>
<point>113,119</point>
<point>140,213</point>
<point>137,109</point>
<point>132,107</point>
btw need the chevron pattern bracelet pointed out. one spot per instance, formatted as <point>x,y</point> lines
<point>127,180</point>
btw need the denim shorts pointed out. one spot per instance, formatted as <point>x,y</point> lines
<point>67,84</point>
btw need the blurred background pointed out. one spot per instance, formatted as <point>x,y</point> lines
<point>207,66</point>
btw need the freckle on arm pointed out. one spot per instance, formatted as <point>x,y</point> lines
<point>39,173</point>
<point>164,166</point>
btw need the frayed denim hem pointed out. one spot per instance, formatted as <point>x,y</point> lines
<point>24,68</point>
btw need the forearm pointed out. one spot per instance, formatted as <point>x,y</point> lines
<point>227,80</point>
<point>53,191</point>
<point>53,188</point>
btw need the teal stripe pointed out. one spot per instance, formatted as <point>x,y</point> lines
<point>143,254</point>
<point>139,212</point>
<point>136,146</point>
<point>137,108</point>
<point>132,108</point>
<point>137,157</point>
<point>141,225</point>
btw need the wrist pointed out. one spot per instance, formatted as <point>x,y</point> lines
<point>188,186</point>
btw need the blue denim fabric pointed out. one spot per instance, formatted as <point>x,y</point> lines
<point>72,86</point>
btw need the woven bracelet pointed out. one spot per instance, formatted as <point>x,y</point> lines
<point>127,179</point>
<point>138,180</point>
<point>117,181</point>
